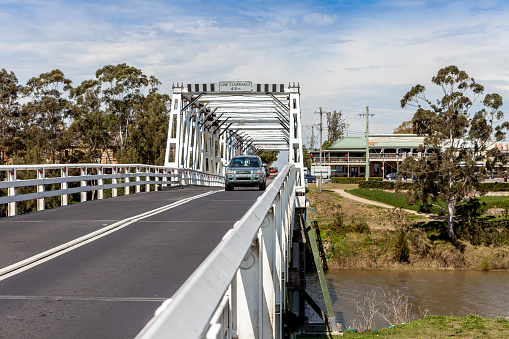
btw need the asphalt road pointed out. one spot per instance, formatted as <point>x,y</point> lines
<point>111,286</point>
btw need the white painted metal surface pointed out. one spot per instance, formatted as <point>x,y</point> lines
<point>93,178</point>
<point>239,290</point>
<point>210,123</point>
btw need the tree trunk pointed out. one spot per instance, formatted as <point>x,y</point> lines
<point>451,206</point>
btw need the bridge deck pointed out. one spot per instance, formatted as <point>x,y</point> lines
<point>109,287</point>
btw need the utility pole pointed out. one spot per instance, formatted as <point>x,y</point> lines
<point>313,137</point>
<point>367,141</point>
<point>321,142</point>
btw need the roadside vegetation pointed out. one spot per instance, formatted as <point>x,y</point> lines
<point>361,236</point>
<point>436,326</point>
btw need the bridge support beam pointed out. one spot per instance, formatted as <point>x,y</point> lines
<point>295,150</point>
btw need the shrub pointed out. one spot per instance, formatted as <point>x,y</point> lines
<point>353,180</point>
<point>401,249</point>
<point>494,187</point>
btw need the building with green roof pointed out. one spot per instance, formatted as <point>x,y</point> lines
<point>347,157</point>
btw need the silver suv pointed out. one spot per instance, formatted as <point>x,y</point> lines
<point>245,171</point>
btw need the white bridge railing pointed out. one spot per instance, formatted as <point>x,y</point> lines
<point>239,291</point>
<point>39,182</point>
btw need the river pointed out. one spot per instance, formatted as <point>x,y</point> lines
<point>452,293</point>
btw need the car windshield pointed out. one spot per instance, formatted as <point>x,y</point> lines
<point>245,162</point>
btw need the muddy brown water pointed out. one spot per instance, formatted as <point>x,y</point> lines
<point>452,293</point>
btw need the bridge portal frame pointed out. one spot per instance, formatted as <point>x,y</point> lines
<point>209,124</point>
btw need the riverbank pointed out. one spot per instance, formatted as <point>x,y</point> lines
<point>471,326</point>
<point>360,235</point>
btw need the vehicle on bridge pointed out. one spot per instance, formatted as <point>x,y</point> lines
<point>245,171</point>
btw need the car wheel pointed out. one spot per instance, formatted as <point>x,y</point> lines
<point>228,188</point>
<point>262,187</point>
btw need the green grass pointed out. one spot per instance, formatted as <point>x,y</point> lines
<point>389,198</point>
<point>399,200</point>
<point>471,326</point>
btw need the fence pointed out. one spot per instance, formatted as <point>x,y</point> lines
<point>239,290</point>
<point>89,181</point>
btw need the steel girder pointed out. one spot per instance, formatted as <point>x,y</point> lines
<point>208,126</point>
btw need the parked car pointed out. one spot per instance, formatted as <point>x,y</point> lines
<point>309,178</point>
<point>273,169</point>
<point>245,171</point>
<point>392,176</point>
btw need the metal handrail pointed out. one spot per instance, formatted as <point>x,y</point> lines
<point>121,175</point>
<point>192,308</point>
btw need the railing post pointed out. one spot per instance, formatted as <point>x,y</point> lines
<point>247,295</point>
<point>40,188</point>
<point>83,184</point>
<point>271,307</point>
<point>126,181</point>
<point>12,209</point>
<point>100,182</point>
<point>178,179</point>
<point>114,190</point>
<point>64,199</point>
<point>157,171</point>
<point>137,190</point>
<point>147,178</point>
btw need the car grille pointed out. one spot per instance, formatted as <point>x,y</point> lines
<point>243,172</point>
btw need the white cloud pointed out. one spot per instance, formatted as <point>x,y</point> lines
<point>345,55</point>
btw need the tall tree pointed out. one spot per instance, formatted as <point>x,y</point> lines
<point>336,126</point>
<point>268,157</point>
<point>406,127</point>
<point>46,113</point>
<point>460,140</point>
<point>147,140</point>
<point>122,91</point>
<point>9,113</point>
<point>90,126</point>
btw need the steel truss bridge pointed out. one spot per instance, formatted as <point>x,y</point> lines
<point>250,284</point>
<point>211,123</point>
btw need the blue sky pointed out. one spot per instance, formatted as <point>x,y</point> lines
<point>346,55</point>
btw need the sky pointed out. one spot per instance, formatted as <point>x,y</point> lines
<point>346,55</point>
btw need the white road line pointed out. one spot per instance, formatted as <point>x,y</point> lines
<point>40,258</point>
<point>77,298</point>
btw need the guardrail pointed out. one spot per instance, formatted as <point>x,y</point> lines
<point>239,290</point>
<point>39,182</point>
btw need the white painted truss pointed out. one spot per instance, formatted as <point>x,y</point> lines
<point>211,123</point>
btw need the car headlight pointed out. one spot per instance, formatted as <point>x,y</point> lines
<point>258,171</point>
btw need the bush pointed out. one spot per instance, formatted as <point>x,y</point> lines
<point>494,187</point>
<point>353,180</point>
<point>401,250</point>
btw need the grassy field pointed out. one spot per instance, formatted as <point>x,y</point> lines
<point>471,326</point>
<point>399,200</point>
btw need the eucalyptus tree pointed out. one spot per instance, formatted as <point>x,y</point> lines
<point>122,91</point>
<point>405,128</point>
<point>45,114</point>
<point>9,113</point>
<point>460,140</point>
<point>90,126</point>
<point>146,143</point>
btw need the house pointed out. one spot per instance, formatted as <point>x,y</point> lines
<point>347,157</point>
